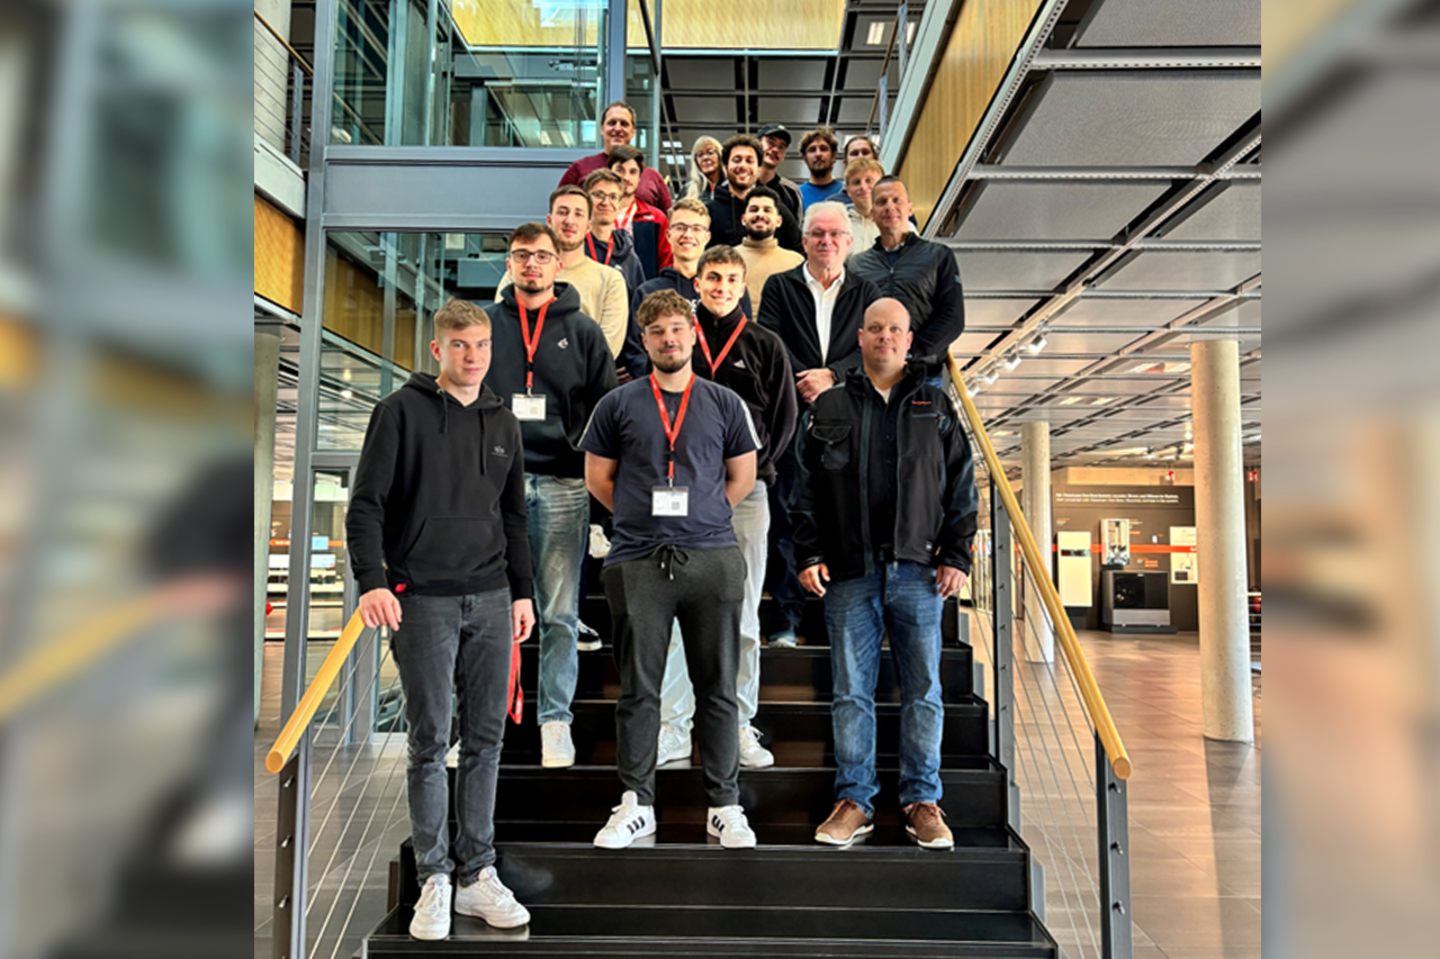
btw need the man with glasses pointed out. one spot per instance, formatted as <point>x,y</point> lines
<point>816,310</point>
<point>645,223</point>
<point>750,360</point>
<point>617,127</point>
<point>551,368</point>
<point>606,244</point>
<point>741,156</point>
<point>602,289</point>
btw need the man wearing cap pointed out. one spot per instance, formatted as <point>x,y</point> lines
<point>775,140</point>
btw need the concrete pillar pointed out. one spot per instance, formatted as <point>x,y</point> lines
<point>1220,530</point>
<point>267,372</point>
<point>1035,502</point>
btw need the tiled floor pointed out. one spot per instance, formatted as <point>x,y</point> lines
<point>1195,811</point>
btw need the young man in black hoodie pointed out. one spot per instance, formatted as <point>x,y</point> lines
<point>884,512</point>
<point>741,155</point>
<point>439,544</point>
<point>551,367</point>
<point>750,360</point>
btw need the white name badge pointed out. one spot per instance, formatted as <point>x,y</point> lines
<point>528,408</point>
<point>670,501</point>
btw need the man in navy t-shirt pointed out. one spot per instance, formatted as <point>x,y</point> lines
<point>671,455</point>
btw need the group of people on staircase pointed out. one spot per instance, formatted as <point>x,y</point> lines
<point>786,435</point>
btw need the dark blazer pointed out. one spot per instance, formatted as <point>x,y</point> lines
<point>787,308</point>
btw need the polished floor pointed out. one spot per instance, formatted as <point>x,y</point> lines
<point>1194,813</point>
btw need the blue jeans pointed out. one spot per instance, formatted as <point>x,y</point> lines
<point>903,597</point>
<point>459,644</point>
<point>559,510</point>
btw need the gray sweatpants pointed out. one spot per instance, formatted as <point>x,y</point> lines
<point>705,595</point>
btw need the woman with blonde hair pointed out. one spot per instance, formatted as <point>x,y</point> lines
<point>705,169</point>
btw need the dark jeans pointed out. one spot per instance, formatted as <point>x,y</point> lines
<point>781,579</point>
<point>705,595</point>
<point>459,643</point>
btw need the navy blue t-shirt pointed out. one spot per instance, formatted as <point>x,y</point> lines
<point>626,427</point>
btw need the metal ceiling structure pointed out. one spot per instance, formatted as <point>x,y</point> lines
<point>1110,204</point>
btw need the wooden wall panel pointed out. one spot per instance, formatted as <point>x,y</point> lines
<point>354,303</point>
<point>279,256</point>
<point>984,41</point>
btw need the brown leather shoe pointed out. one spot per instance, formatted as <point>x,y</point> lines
<point>925,822</point>
<point>847,823</point>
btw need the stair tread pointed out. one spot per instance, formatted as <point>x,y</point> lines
<point>718,930</point>
<point>789,838</point>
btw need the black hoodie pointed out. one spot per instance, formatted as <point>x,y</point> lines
<point>619,253</point>
<point>725,226</point>
<point>573,369</point>
<point>439,501</point>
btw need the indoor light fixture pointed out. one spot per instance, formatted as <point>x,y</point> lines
<point>1012,360</point>
<point>1039,343</point>
<point>876,36</point>
<point>346,394</point>
<point>989,376</point>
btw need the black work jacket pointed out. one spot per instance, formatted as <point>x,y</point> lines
<point>936,503</point>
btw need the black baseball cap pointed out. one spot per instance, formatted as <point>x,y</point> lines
<point>778,132</point>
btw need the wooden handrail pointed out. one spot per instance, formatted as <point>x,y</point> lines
<point>1069,645</point>
<point>284,43</point>
<point>299,720</point>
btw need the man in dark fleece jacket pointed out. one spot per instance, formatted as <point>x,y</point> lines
<point>439,544</point>
<point>741,156</point>
<point>750,360</point>
<point>921,274</point>
<point>607,243</point>
<point>551,367</point>
<point>884,512</point>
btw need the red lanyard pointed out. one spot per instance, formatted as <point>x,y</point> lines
<point>672,433</point>
<point>517,695</point>
<point>609,248</point>
<point>623,220</point>
<point>531,345</point>
<point>715,363</point>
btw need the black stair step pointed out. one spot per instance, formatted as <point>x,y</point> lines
<point>802,674</point>
<point>900,876</point>
<point>765,932</point>
<point>972,797</point>
<point>886,834</point>
<point>799,734</point>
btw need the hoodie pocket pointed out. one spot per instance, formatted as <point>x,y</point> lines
<point>835,444</point>
<point>452,548</point>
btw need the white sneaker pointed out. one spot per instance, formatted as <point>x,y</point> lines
<point>586,639</point>
<point>752,754</point>
<point>629,822</point>
<point>432,912</point>
<point>452,758</point>
<point>728,823</point>
<point>556,748</point>
<point>599,543</point>
<point>488,898</point>
<point>784,639</point>
<point>674,744</point>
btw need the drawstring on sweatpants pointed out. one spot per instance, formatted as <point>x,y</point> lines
<point>670,556</point>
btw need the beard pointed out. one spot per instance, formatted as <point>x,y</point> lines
<point>671,364</point>
<point>571,247</point>
<point>757,235</point>
<point>533,285</point>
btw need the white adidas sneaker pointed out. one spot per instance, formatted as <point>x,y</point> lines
<point>629,822</point>
<point>729,825</point>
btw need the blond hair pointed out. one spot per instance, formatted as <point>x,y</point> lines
<point>460,314</point>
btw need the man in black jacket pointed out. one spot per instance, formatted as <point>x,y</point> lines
<point>816,310</point>
<point>551,367</point>
<point>921,274</point>
<point>741,156</point>
<point>750,360</point>
<point>892,552</point>
<point>439,545</point>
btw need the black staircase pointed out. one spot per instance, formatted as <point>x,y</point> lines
<point>682,895</point>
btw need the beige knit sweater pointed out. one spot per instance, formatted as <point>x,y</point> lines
<point>763,259</point>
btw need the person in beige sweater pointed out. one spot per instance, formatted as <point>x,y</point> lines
<point>603,293</point>
<point>761,252</point>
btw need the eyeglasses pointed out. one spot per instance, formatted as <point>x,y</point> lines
<point>827,234</point>
<point>605,197</point>
<point>692,229</point>
<point>541,257</point>
<point>707,153</point>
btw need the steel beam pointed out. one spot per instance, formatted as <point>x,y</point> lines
<point>1065,246</point>
<point>1003,630</point>
<point>1112,828</point>
<point>997,171</point>
<point>1147,58</point>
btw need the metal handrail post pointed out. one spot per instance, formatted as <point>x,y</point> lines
<point>1113,832</point>
<point>1002,629</point>
<point>292,839</point>
<point>297,110</point>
